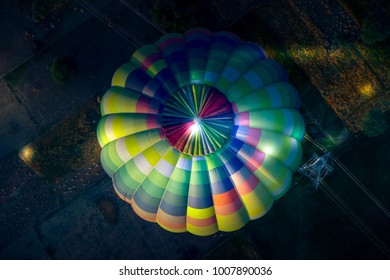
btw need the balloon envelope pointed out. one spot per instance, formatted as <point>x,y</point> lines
<point>200,132</point>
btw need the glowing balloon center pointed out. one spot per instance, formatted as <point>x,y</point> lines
<point>197,120</point>
<point>195,127</point>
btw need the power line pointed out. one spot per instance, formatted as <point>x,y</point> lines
<point>343,206</point>
<point>355,219</point>
<point>148,20</point>
<point>353,178</point>
<point>361,186</point>
<point>114,26</point>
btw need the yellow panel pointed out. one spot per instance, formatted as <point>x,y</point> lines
<point>233,221</point>
<point>257,202</point>
<point>120,76</point>
<point>201,213</point>
<point>202,231</point>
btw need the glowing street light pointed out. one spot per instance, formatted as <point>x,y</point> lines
<point>26,153</point>
<point>367,90</point>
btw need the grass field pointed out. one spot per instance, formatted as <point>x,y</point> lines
<point>68,146</point>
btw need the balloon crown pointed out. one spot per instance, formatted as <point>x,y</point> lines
<point>200,132</point>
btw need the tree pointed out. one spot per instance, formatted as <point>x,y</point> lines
<point>42,8</point>
<point>374,123</point>
<point>62,68</point>
<point>375,28</point>
<point>179,15</point>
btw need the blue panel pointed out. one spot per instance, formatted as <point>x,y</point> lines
<point>200,202</point>
<point>173,210</point>
<point>233,165</point>
<point>145,201</point>
<point>136,80</point>
<point>176,58</point>
<point>234,145</point>
<point>166,78</point>
<point>230,73</point>
<point>201,44</point>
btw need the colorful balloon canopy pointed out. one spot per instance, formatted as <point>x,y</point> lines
<point>200,132</point>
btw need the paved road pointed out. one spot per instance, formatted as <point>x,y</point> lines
<point>38,102</point>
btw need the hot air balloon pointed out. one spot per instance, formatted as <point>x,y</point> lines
<point>200,132</point>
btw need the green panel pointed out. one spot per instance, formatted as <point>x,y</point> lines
<point>199,172</point>
<point>277,95</point>
<point>213,160</point>
<point>286,121</point>
<point>286,149</point>
<point>274,175</point>
<point>134,171</point>
<point>261,74</point>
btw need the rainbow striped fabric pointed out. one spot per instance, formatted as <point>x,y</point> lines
<point>200,132</point>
